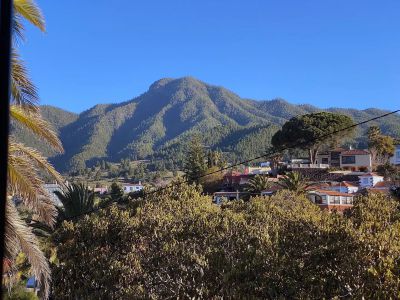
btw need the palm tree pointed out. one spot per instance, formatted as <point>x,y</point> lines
<point>77,199</point>
<point>25,163</point>
<point>258,184</point>
<point>294,181</point>
<point>22,89</point>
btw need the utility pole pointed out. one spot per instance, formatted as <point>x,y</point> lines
<point>5,66</point>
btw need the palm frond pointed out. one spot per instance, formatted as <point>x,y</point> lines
<point>19,237</point>
<point>35,123</point>
<point>37,158</point>
<point>76,199</point>
<point>24,183</point>
<point>31,12</point>
<point>18,28</point>
<point>23,91</point>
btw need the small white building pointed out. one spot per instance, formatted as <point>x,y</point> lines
<point>131,188</point>
<point>100,190</point>
<point>355,159</point>
<point>369,180</point>
<point>395,159</point>
<point>265,169</point>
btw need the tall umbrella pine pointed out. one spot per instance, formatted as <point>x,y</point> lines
<point>312,131</point>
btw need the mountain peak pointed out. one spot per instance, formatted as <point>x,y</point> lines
<point>160,83</point>
<point>186,81</point>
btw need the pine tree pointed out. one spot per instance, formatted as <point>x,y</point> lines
<point>195,164</point>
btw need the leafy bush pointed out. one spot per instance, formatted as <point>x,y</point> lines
<point>178,245</point>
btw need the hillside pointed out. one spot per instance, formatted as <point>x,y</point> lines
<point>159,122</point>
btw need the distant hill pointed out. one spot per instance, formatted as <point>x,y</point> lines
<point>158,123</point>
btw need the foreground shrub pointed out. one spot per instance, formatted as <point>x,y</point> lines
<point>179,245</point>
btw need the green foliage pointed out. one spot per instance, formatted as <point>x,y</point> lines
<point>310,131</point>
<point>116,191</point>
<point>76,199</point>
<point>381,146</point>
<point>19,293</point>
<point>177,244</point>
<point>257,184</point>
<point>195,163</point>
<point>295,182</point>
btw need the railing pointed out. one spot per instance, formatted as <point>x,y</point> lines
<point>308,166</point>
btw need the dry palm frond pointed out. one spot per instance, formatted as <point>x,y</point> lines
<point>23,91</point>
<point>18,28</point>
<point>19,237</point>
<point>24,182</point>
<point>31,12</point>
<point>35,123</point>
<point>37,158</point>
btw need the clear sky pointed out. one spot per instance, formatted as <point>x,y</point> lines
<point>343,53</point>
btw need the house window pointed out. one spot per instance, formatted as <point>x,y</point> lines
<point>347,200</point>
<point>318,199</point>
<point>334,200</point>
<point>348,160</point>
<point>398,154</point>
<point>325,160</point>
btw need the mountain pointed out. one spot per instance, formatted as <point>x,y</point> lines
<point>159,122</point>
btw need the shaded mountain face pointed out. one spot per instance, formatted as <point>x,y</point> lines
<point>159,122</point>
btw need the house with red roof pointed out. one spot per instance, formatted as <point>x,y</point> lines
<point>331,200</point>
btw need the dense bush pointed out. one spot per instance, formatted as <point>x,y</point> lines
<point>178,244</point>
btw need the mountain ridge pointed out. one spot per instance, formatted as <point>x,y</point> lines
<point>159,122</point>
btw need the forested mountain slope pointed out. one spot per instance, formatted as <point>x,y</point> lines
<point>159,122</point>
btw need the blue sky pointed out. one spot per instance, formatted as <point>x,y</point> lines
<point>327,53</point>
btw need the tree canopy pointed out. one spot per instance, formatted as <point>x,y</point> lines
<point>310,132</point>
<point>177,244</point>
<point>381,146</point>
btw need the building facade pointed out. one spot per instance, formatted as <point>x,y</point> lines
<point>331,200</point>
<point>131,188</point>
<point>395,159</point>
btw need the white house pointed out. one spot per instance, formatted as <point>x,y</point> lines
<point>395,159</point>
<point>331,199</point>
<point>355,160</point>
<point>130,188</point>
<point>369,180</point>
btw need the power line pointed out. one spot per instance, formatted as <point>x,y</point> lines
<point>268,154</point>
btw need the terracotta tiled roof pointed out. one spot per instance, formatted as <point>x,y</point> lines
<point>381,184</point>
<point>355,152</point>
<point>346,184</point>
